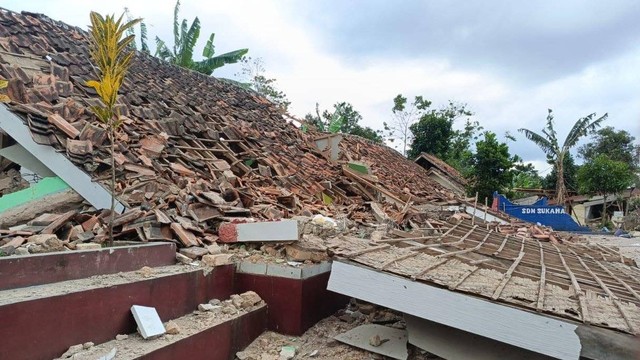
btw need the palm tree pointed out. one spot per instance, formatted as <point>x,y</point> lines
<point>548,142</point>
<point>185,38</point>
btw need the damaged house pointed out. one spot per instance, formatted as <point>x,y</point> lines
<point>201,162</point>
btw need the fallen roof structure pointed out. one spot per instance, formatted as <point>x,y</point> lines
<point>443,173</point>
<point>515,290</point>
<point>196,154</point>
<point>192,150</point>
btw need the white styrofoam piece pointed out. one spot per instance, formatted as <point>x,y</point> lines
<point>283,230</point>
<point>149,323</point>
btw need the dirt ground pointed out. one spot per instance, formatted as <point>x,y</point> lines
<point>628,247</point>
<point>318,342</point>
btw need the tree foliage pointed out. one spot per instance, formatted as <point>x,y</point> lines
<point>548,142</point>
<point>604,176</point>
<point>492,166</point>
<point>110,52</point>
<point>343,119</point>
<point>434,130</point>
<point>185,37</point>
<point>618,145</point>
<point>403,116</point>
<point>253,76</point>
<point>524,176</point>
<point>460,150</point>
<point>570,170</point>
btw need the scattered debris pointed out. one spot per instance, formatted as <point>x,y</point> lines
<point>287,353</point>
<point>172,328</point>
<point>206,307</point>
<point>392,343</point>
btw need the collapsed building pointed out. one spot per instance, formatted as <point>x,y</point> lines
<point>201,162</point>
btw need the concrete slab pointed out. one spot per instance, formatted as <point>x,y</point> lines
<point>389,341</point>
<point>301,272</point>
<point>283,230</point>
<point>37,269</point>
<point>148,321</point>
<point>41,322</point>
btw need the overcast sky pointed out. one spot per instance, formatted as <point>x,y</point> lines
<point>508,60</point>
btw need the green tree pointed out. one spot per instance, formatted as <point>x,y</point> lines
<point>185,38</point>
<point>253,77</point>
<point>618,145</point>
<point>109,51</point>
<point>570,170</point>
<point>343,119</point>
<point>492,166</point>
<point>460,149</point>
<point>403,116</point>
<point>433,132</point>
<point>524,176</point>
<point>604,176</point>
<point>555,152</point>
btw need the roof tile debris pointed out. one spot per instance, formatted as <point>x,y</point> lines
<point>188,143</point>
<point>195,152</point>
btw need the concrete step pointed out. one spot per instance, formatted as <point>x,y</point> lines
<point>297,295</point>
<point>37,269</point>
<point>41,322</point>
<point>202,335</point>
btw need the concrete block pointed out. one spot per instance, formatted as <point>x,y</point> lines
<point>248,267</point>
<point>284,271</point>
<point>217,260</point>
<point>194,252</point>
<point>383,340</point>
<point>283,230</point>
<point>88,246</point>
<point>148,320</point>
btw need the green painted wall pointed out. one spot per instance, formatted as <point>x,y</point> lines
<point>42,188</point>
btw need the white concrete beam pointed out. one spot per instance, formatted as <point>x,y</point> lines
<point>77,179</point>
<point>520,328</point>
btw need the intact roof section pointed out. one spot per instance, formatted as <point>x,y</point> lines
<point>593,284</point>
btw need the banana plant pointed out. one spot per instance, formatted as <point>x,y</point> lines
<point>556,152</point>
<point>185,38</point>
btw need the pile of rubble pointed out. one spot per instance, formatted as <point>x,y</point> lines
<point>322,340</point>
<point>192,151</point>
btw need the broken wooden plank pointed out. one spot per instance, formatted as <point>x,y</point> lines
<point>61,220</point>
<point>142,170</point>
<point>15,242</point>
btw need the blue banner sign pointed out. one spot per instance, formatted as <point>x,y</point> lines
<point>540,212</point>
